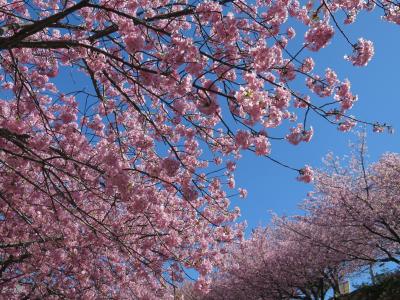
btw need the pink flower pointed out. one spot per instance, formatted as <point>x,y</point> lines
<point>291,33</point>
<point>378,128</point>
<point>308,65</point>
<point>207,106</point>
<point>308,134</point>
<point>207,102</point>
<point>282,98</point>
<point>97,124</point>
<point>134,42</point>
<point>318,36</point>
<point>231,182</point>
<point>209,11</point>
<point>306,174</point>
<point>266,58</point>
<point>171,166</point>
<point>347,125</point>
<point>363,52</point>
<point>242,193</point>
<point>331,77</point>
<point>262,145</point>
<point>288,72</point>
<point>243,139</point>
<point>392,14</point>
<point>231,166</point>
<point>345,96</point>
<point>190,193</point>
<point>298,134</point>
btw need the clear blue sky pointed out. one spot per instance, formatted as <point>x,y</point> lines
<point>272,187</point>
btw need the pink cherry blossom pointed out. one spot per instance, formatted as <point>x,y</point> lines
<point>318,36</point>
<point>348,222</point>
<point>171,166</point>
<point>298,134</point>
<point>291,33</point>
<point>308,65</point>
<point>243,193</point>
<point>243,139</point>
<point>363,53</point>
<point>347,125</point>
<point>262,145</point>
<point>306,174</point>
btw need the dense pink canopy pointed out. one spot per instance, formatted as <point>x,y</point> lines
<point>120,125</point>
<point>351,221</point>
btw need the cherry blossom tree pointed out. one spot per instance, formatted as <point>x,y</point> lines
<point>114,188</point>
<point>351,220</point>
<point>357,210</point>
<point>276,263</point>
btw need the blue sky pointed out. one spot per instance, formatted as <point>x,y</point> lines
<point>272,187</point>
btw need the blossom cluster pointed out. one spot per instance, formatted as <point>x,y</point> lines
<point>349,222</point>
